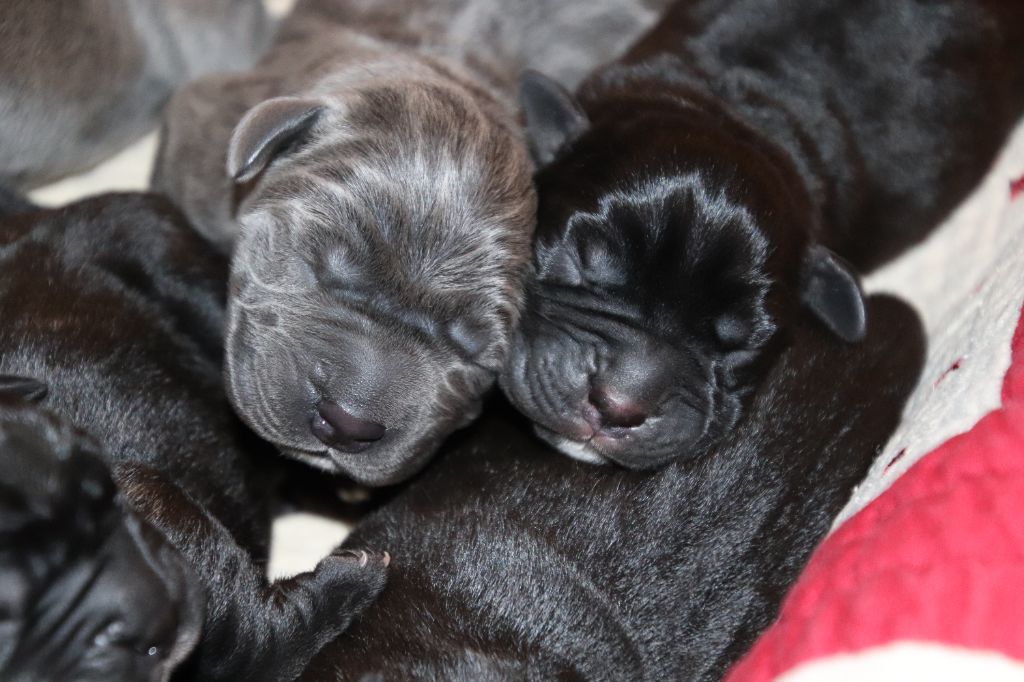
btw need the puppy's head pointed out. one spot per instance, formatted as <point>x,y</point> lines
<point>88,591</point>
<point>671,255</point>
<point>379,272</point>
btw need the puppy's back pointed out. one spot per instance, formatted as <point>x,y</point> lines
<point>127,335</point>
<point>891,110</point>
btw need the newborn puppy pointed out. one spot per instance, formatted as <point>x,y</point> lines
<point>513,563</point>
<point>82,78</point>
<point>116,307</point>
<point>694,197</point>
<point>89,591</point>
<point>379,201</point>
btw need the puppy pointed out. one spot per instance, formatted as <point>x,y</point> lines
<point>82,78</point>
<point>379,201</point>
<point>75,560</point>
<point>695,196</point>
<point>116,307</point>
<point>513,563</point>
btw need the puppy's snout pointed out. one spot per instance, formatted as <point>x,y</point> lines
<point>615,410</point>
<point>339,429</point>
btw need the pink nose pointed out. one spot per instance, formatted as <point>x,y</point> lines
<point>617,411</point>
<point>339,429</point>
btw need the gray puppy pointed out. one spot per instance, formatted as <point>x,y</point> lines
<point>379,200</point>
<point>81,78</point>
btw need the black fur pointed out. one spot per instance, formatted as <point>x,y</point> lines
<point>511,562</point>
<point>117,306</point>
<point>732,173</point>
<point>88,590</point>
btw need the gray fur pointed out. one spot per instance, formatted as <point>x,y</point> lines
<point>81,78</point>
<point>400,219</point>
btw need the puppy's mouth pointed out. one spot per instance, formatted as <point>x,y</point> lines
<point>368,468</point>
<point>631,448</point>
<point>594,449</point>
<point>318,458</point>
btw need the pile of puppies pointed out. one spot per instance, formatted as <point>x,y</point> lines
<point>375,216</point>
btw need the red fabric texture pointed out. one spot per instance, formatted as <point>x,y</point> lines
<point>939,557</point>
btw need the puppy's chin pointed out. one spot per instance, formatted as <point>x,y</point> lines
<point>373,467</point>
<point>398,456</point>
<point>581,452</point>
<point>603,450</point>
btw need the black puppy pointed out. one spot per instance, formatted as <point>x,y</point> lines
<point>88,590</point>
<point>116,307</point>
<point>513,563</point>
<point>698,190</point>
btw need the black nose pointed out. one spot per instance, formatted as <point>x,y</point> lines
<point>617,411</point>
<point>338,429</point>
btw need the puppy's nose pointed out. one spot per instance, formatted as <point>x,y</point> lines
<point>615,410</point>
<point>337,428</point>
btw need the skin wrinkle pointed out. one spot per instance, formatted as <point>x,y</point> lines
<point>60,621</point>
<point>545,383</point>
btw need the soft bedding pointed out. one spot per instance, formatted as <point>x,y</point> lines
<point>923,578</point>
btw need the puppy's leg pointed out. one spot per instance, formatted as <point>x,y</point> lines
<point>255,630</point>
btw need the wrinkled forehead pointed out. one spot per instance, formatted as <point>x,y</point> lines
<point>685,222</point>
<point>411,204</point>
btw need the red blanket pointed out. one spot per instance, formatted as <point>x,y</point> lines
<point>938,558</point>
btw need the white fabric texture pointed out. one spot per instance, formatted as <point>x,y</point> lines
<point>909,662</point>
<point>966,281</point>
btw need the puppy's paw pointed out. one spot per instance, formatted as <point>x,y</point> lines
<point>312,609</point>
<point>341,586</point>
<point>349,579</point>
<point>361,556</point>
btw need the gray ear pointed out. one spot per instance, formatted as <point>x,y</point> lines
<point>265,130</point>
<point>22,387</point>
<point>831,290</point>
<point>553,116</point>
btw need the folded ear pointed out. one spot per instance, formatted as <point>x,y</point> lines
<point>266,130</point>
<point>22,387</point>
<point>831,290</point>
<point>553,116</point>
